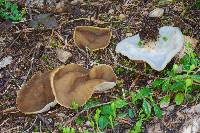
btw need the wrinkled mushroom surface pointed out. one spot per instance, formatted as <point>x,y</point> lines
<point>157,54</point>
<point>63,85</point>
<point>64,82</point>
<point>92,37</point>
<point>36,96</point>
<point>73,83</point>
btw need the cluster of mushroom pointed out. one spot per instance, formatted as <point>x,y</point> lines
<point>73,83</point>
<point>157,53</point>
<point>63,85</point>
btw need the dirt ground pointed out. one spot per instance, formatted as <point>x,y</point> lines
<point>34,49</point>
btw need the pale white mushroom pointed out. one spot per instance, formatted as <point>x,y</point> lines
<point>157,54</point>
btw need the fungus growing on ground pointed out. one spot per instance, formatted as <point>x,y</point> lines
<point>92,37</point>
<point>72,83</point>
<point>63,85</point>
<point>156,53</point>
<point>36,96</point>
<point>67,84</point>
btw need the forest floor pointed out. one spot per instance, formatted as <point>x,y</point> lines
<point>34,49</point>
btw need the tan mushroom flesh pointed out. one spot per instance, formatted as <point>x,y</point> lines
<point>103,72</point>
<point>67,83</point>
<point>73,83</point>
<point>92,37</point>
<point>36,96</point>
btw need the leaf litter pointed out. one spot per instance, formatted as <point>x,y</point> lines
<point>26,43</point>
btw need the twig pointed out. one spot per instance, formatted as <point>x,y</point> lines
<point>195,83</point>
<point>74,117</point>
<point>3,122</point>
<point>32,125</point>
<point>124,121</point>
<point>15,39</point>
<point>47,123</point>
<point>31,66</point>
<point>14,79</point>
<point>29,8</point>
<point>11,129</point>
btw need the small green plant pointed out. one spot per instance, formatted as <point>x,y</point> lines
<point>138,126</point>
<point>197,4</point>
<point>71,130</point>
<point>180,79</point>
<point>145,97</point>
<point>68,130</point>
<point>146,103</point>
<point>140,44</point>
<point>45,58</point>
<point>105,116</point>
<point>74,105</point>
<point>10,11</point>
<point>165,38</point>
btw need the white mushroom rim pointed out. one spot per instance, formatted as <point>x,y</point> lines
<point>104,86</point>
<point>168,44</point>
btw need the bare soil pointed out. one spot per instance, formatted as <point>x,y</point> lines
<point>33,49</point>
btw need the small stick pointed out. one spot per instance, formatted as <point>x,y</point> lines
<point>47,123</point>
<point>32,125</point>
<point>14,79</point>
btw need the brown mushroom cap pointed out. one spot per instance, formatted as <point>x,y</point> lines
<point>68,84</point>
<point>36,96</point>
<point>63,85</point>
<point>103,72</point>
<point>92,37</point>
<point>73,83</point>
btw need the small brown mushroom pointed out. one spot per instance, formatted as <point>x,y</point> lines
<point>92,37</point>
<point>63,85</point>
<point>103,72</point>
<point>36,96</point>
<point>68,84</point>
<point>73,83</point>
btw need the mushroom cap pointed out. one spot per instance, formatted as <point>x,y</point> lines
<point>92,37</point>
<point>73,83</point>
<point>36,96</point>
<point>103,72</point>
<point>68,85</point>
<point>158,55</point>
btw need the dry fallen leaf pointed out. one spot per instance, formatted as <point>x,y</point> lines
<point>158,12</point>
<point>5,61</point>
<point>48,20</point>
<point>63,55</point>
